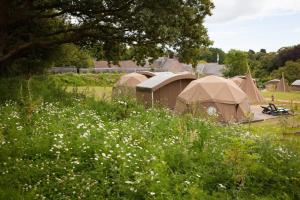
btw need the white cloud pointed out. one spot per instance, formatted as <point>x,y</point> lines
<point>232,10</point>
<point>296,30</point>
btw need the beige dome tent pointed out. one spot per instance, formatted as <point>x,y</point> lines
<point>214,95</point>
<point>249,87</point>
<point>126,86</point>
<point>282,86</point>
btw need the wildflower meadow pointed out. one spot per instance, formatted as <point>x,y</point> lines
<point>59,145</point>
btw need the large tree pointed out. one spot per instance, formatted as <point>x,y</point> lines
<point>286,54</point>
<point>236,62</point>
<point>28,26</point>
<point>71,55</point>
<point>260,64</point>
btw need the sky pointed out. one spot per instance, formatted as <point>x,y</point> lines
<point>254,24</point>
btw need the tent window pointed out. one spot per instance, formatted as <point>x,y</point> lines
<point>212,111</point>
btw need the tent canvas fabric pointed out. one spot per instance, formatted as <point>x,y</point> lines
<point>162,89</point>
<point>272,82</point>
<point>249,87</point>
<point>127,84</point>
<point>131,80</point>
<point>271,85</point>
<point>214,94</point>
<point>296,85</point>
<point>237,80</point>
<point>282,86</point>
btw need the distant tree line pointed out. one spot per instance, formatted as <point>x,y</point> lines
<point>264,65</point>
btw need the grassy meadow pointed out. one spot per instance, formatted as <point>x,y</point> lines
<point>56,142</point>
<point>98,92</point>
<point>282,96</point>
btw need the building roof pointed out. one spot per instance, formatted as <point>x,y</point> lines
<point>163,63</point>
<point>274,81</point>
<point>128,64</point>
<point>171,65</point>
<point>211,69</point>
<point>296,83</point>
<point>101,64</point>
<point>161,80</point>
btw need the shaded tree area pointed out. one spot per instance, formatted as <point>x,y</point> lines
<point>267,65</point>
<point>33,30</point>
<point>286,54</point>
<point>97,52</point>
<point>291,71</point>
<point>261,64</point>
<point>37,60</point>
<point>71,55</point>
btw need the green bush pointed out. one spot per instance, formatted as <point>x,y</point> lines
<point>35,89</point>
<point>52,87</point>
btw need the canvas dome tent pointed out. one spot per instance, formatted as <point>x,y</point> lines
<point>163,89</point>
<point>249,87</point>
<point>127,84</point>
<point>214,95</point>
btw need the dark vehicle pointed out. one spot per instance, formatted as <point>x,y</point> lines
<point>271,109</point>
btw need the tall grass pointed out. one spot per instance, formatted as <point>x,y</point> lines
<point>72,79</point>
<point>78,148</point>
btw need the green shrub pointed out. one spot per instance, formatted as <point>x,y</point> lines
<point>52,87</point>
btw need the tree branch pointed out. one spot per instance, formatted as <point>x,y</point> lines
<point>47,42</point>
